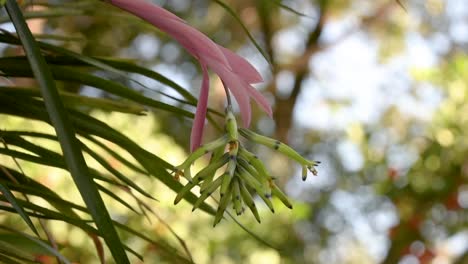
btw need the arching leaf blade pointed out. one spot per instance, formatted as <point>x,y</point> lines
<point>66,135</point>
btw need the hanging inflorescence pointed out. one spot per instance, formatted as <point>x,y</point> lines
<point>244,174</point>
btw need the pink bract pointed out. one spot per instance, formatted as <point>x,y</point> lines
<point>235,72</point>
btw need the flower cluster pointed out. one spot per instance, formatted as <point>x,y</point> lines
<point>242,173</point>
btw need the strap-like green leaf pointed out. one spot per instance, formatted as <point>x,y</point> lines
<point>116,66</point>
<point>112,65</point>
<point>48,195</point>
<point>47,14</point>
<point>173,255</point>
<point>16,67</point>
<point>31,187</point>
<point>87,125</point>
<point>66,135</point>
<point>75,100</point>
<point>39,243</point>
<point>48,157</point>
<point>24,244</point>
<point>7,260</point>
<point>12,200</point>
<point>115,172</point>
<point>116,198</point>
<point>11,251</point>
<point>116,155</point>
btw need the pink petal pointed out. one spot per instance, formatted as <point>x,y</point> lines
<point>234,71</point>
<point>260,99</point>
<point>235,86</point>
<point>201,47</point>
<point>193,40</point>
<point>199,121</point>
<point>242,67</point>
<point>244,104</point>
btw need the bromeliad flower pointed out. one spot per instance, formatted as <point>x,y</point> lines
<point>236,172</point>
<point>242,173</point>
<point>235,72</point>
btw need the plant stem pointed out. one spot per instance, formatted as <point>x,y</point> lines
<point>228,95</point>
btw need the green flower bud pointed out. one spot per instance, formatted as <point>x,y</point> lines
<point>207,192</point>
<point>202,150</point>
<point>278,193</point>
<point>231,125</point>
<point>281,147</point>
<point>211,168</point>
<point>247,197</point>
<point>236,197</point>
<point>223,203</point>
<point>253,183</point>
<point>263,180</point>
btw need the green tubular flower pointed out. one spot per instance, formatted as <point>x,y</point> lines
<point>231,125</point>
<point>250,180</point>
<point>255,162</point>
<point>202,150</point>
<point>211,168</point>
<point>207,192</point>
<point>231,167</point>
<point>229,175</point>
<point>281,147</point>
<point>216,155</point>
<point>236,197</point>
<point>265,181</point>
<point>254,184</point>
<point>200,176</point>
<point>223,203</point>
<point>206,183</point>
<point>278,193</point>
<point>184,168</point>
<point>227,178</point>
<point>248,200</point>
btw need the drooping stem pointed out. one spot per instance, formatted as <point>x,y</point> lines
<point>228,95</point>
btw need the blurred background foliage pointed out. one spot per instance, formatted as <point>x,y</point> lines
<point>375,90</point>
